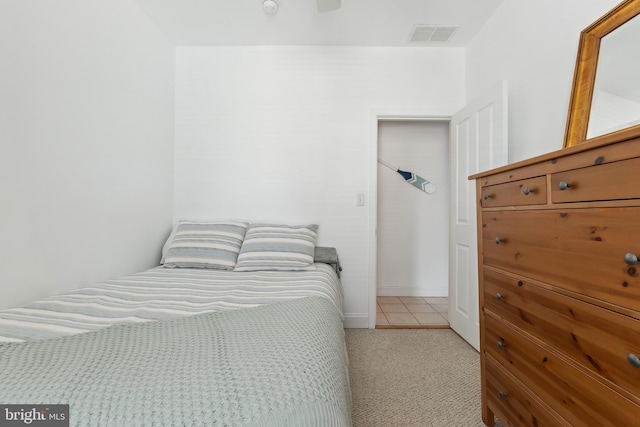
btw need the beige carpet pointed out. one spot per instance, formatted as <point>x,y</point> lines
<point>413,377</point>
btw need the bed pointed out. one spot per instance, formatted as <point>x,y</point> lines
<point>193,346</point>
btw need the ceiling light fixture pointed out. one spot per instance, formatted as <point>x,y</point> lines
<point>270,6</point>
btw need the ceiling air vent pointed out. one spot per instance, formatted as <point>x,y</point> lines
<point>432,33</point>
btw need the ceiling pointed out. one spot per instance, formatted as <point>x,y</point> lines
<point>297,22</point>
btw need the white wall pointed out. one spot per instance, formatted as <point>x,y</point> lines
<point>413,231</point>
<point>271,133</point>
<point>282,134</point>
<point>86,144</point>
<point>533,45</point>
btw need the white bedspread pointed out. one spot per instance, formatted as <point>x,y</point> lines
<point>162,293</point>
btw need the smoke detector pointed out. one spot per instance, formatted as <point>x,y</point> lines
<point>433,33</point>
<point>270,6</point>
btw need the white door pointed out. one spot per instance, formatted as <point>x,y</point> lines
<point>478,142</point>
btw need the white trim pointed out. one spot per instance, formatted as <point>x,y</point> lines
<point>412,118</point>
<point>356,321</point>
<point>375,117</point>
<point>373,217</point>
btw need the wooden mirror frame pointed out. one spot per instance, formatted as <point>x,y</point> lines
<point>585,75</point>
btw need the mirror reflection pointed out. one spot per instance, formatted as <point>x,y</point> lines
<point>616,95</point>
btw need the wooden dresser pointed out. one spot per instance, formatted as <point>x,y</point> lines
<point>559,284</point>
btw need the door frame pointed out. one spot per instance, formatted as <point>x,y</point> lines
<point>375,117</point>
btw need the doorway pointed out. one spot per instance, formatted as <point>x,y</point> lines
<point>412,225</point>
<point>478,141</point>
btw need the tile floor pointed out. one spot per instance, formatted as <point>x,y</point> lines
<point>412,312</point>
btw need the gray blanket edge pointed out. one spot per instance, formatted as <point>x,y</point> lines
<point>282,364</point>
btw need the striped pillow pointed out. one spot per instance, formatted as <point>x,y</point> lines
<point>206,245</point>
<point>278,247</point>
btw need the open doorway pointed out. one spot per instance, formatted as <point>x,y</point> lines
<point>477,141</point>
<point>412,225</point>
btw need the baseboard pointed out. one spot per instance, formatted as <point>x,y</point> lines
<point>413,327</point>
<point>356,321</point>
<point>407,291</point>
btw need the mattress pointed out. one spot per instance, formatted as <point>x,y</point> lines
<point>163,293</point>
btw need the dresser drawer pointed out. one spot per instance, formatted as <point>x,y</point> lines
<point>525,192</point>
<point>608,181</point>
<point>512,403</point>
<point>582,250</point>
<point>600,340</point>
<point>575,396</point>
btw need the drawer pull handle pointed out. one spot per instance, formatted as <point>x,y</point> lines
<point>499,240</point>
<point>486,196</point>
<point>502,395</point>
<point>634,360</point>
<point>563,185</point>
<point>630,258</point>
<point>501,344</point>
<point>499,296</point>
<point>528,191</point>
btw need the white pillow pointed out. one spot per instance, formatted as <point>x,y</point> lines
<point>165,248</point>
<point>205,244</point>
<point>278,247</point>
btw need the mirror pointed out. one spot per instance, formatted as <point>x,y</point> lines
<point>616,91</point>
<point>605,100</point>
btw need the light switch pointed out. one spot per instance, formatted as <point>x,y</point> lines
<point>360,199</point>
